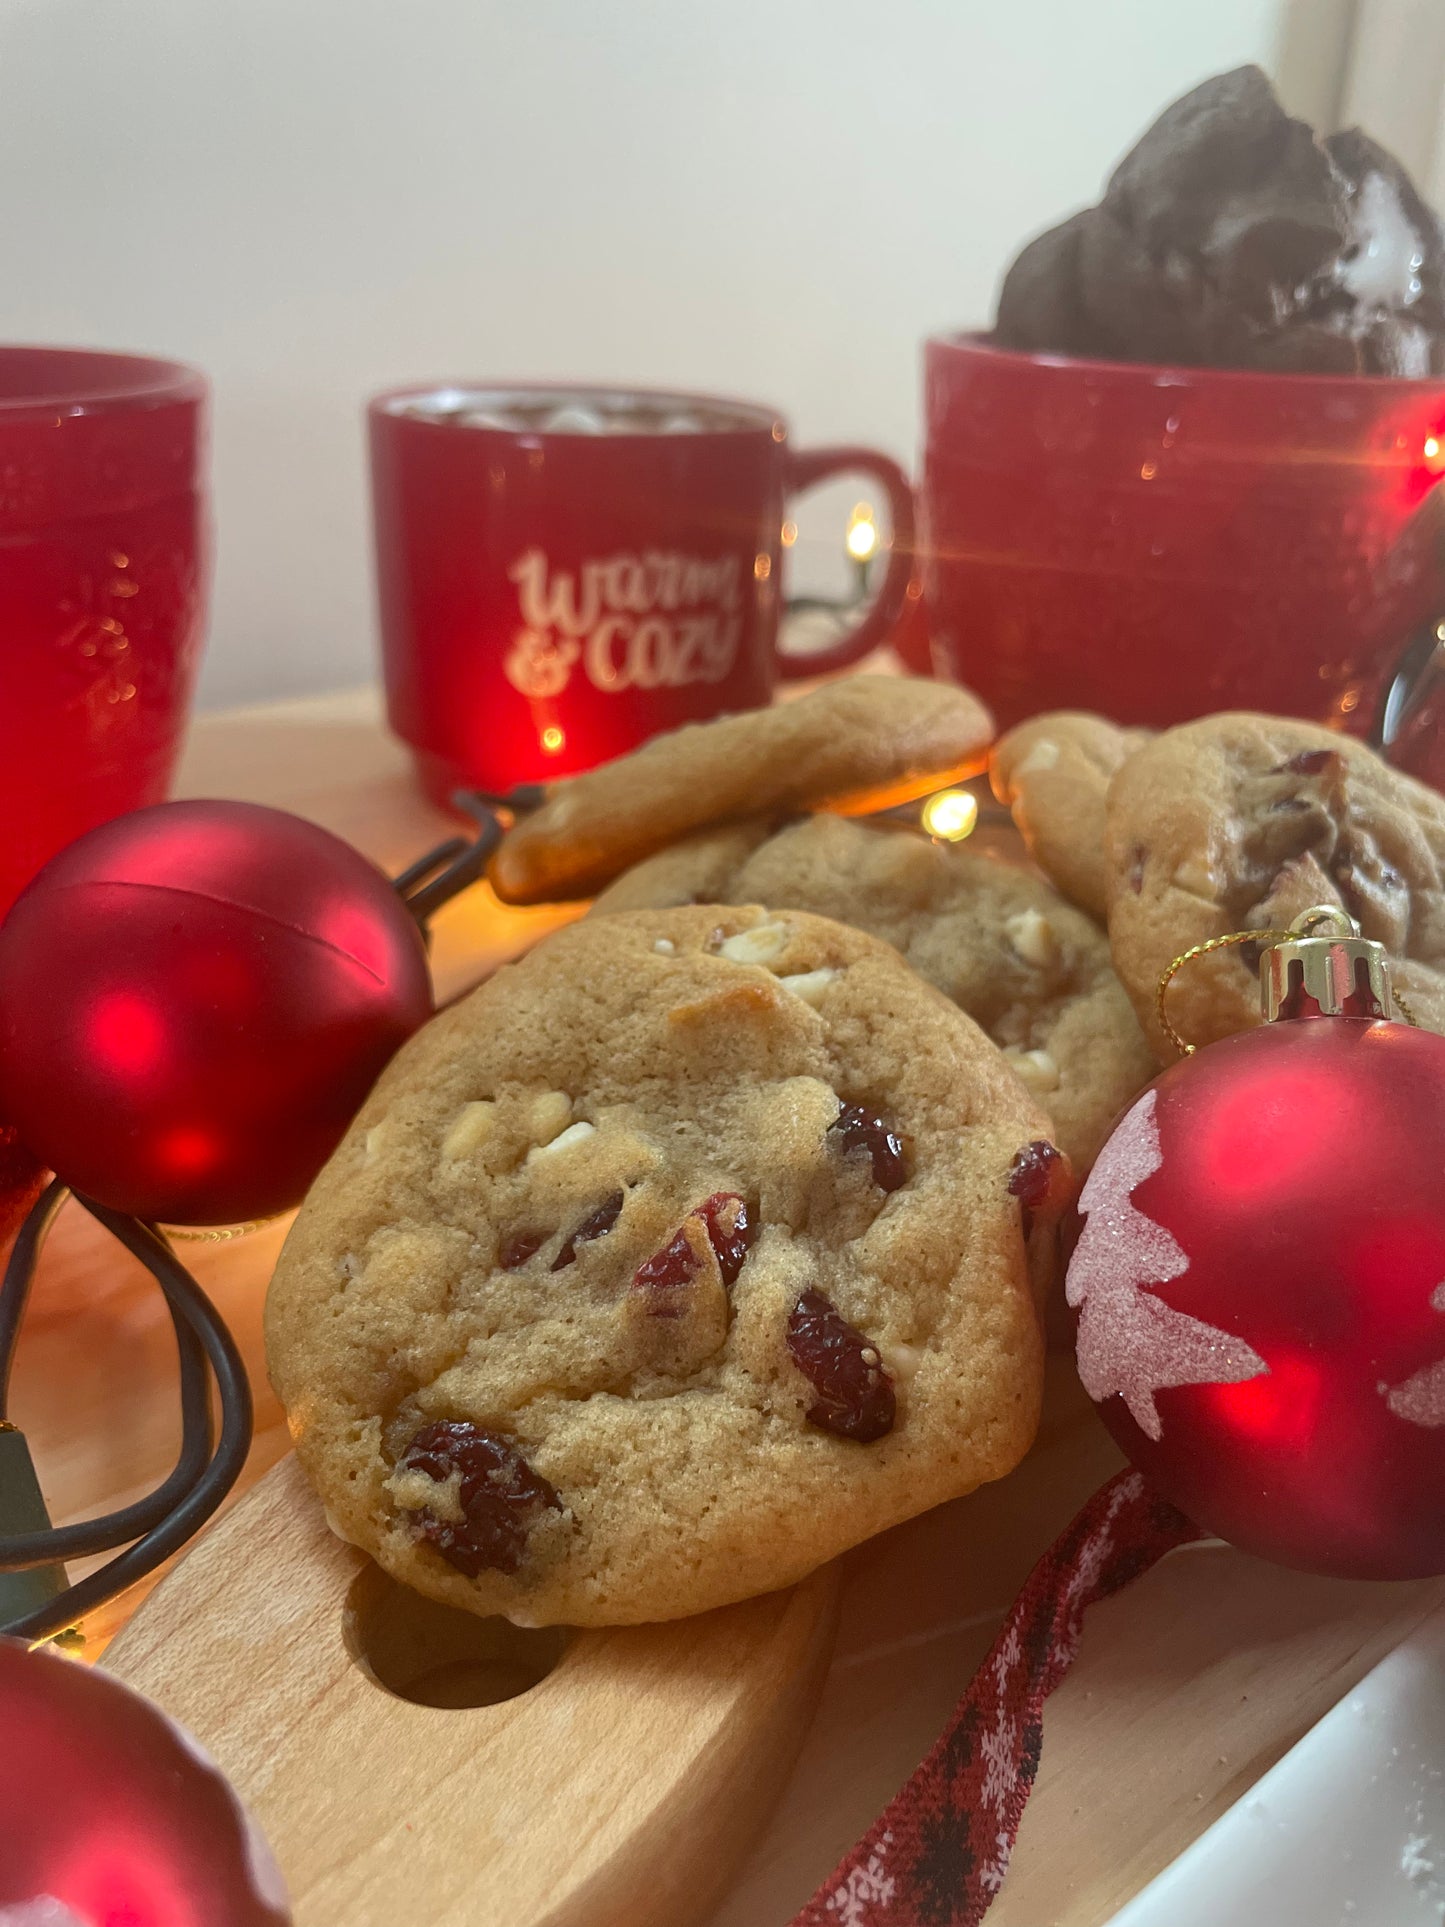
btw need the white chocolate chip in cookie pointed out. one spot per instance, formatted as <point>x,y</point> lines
<point>1044,755</point>
<point>1032,936</point>
<point>903,1361</point>
<point>809,984</point>
<point>1036,1067</point>
<point>567,1140</point>
<point>548,1115</point>
<point>665,947</point>
<point>470,1129</point>
<point>1196,875</point>
<point>756,946</point>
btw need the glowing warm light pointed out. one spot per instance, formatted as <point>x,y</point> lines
<point>951,814</point>
<point>552,739</point>
<point>1431,448</point>
<point>862,536</point>
<point>790,534</point>
<point>762,567</point>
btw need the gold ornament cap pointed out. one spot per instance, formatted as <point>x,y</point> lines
<point>1322,964</point>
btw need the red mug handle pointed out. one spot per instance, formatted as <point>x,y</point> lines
<point>806,468</point>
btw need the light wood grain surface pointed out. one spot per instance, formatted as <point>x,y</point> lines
<point>618,1790</point>
<point>1188,1685</point>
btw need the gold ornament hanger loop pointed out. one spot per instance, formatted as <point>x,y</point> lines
<point>1321,956</point>
<point>1166,1022</point>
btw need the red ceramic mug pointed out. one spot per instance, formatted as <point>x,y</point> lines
<point>563,573</point>
<point>1157,543</point>
<point>103,566</point>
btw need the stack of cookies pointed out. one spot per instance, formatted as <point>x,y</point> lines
<point>711,1238</point>
<point>1236,822</point>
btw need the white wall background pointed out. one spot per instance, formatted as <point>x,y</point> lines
<point>316,198</point>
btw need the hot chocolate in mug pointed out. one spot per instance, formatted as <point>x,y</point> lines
<point>565,572</point>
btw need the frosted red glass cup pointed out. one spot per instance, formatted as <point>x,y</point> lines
<point>1157,543</point>
<point>552,595</point>
<point>102,590</point>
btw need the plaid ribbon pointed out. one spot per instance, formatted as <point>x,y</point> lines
<point>938,1853</point>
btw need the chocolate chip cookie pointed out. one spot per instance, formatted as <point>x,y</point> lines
<point>1033,971</point>
<point>1240,822</point>
<point>1054,772</point>
<point>862,743</point>
<point>685,1253</point>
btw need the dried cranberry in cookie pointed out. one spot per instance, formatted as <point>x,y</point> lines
<point>796,1305</point>
<point>518,1246</point>
<point>1240,822</point>
<point>481,1498</point>
<point>677,1307</point>
<point>852,1393</point>
<point>595,1225</point>
<point>1036,1176</point>
<point>859,1130</point>
<point>730,1230</point>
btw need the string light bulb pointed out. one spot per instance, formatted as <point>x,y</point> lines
<point>861,539</point>
<point>951,815</point>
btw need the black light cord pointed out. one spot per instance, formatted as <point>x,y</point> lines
<point>19,1552</point>
<point>208,1464</point>
<point>206,1468</point>
<point>15,1287</point>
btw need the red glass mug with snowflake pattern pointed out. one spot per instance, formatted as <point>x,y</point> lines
<point>102,590</point>
<point>565,572</point>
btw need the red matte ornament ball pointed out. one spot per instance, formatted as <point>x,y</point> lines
<point>1260,1287</point>
<point>21,1180</point>
<point>194,1001</point>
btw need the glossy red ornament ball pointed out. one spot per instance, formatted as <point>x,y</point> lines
<point>114,1815</point>
<point>194,1000</point>
<point>1260,1285</point>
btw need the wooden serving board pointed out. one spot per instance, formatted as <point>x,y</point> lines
<point>1187,1687</point>
<point>411,1763</point>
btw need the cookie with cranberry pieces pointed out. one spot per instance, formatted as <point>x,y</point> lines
<point>1241,822</point>
<point>1053,772</point>
<point>858,744</point>
<point>682,1255</point>
<point>1029,968</point>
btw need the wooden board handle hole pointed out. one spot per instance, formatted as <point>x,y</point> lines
<point>436,1655</point>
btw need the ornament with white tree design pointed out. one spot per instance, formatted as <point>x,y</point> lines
<point>1129,1340</point>
<point>1260,1278</point>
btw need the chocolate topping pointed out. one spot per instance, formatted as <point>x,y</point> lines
<point>1231,236</point>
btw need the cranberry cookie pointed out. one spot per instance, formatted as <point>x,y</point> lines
<point>1240,822</point>
<point>1029,968</point>
<point>682,1255</point>
<point>1054,772</point>
<point>859,744</point>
